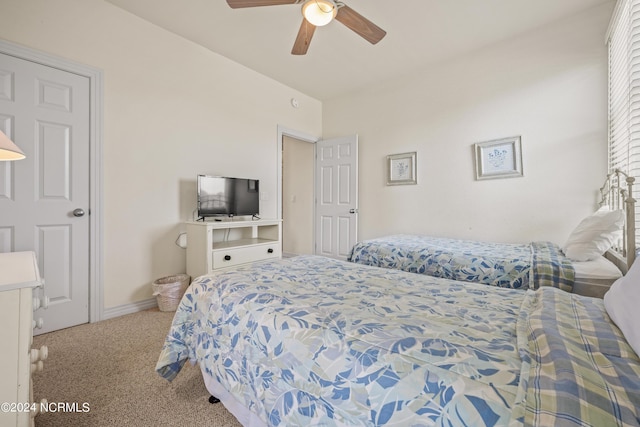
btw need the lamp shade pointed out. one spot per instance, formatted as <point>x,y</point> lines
<point>9,150</point>
<point>319,12</point>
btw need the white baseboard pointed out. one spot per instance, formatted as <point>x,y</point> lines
<point>133,307</point>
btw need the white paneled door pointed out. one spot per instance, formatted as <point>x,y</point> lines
<point>337,196</point>
<point>44,199</point>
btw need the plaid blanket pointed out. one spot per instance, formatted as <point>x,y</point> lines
<point>577,370</point>
<point>506,265</point>
<point>551,267</point>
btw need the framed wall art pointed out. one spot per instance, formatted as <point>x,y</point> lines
<point>401,169</point>
<point>500,158</point>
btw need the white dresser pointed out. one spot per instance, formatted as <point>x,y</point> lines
<point>20,288</point>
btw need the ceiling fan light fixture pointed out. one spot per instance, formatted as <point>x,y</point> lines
<point>319,12</point>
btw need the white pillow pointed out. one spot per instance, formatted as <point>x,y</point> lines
<point>622,301</point>
<point>594,235</point>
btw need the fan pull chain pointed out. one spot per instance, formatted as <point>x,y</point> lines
<point>322,10</point>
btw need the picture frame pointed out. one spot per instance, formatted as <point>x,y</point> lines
<point>499,158</point>
<point>401,169</point>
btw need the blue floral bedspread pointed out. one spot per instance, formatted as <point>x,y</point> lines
<point>316,341</point>
<point>507,265</point>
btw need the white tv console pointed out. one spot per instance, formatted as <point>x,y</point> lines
<point>215,245</point>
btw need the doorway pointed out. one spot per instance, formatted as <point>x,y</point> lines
<point>297,196</point>
<point>332,164</point>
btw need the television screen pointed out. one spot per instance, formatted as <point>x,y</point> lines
<point>224,196</point>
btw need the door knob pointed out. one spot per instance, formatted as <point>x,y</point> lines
<point>352,211</point>
<point>78,212</point>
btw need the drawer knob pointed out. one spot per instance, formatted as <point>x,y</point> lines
<point>38,323</point>
<point>227,257</point>
<point>39,354</point>
<point>37,367</point>
<point>270,250</point>
<point>36,411</point>
<point>40,302</point>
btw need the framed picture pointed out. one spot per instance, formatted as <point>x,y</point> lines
<point>500,158</point>
<point>401,169</point>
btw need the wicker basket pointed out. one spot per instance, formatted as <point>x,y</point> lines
<point>169,291</point>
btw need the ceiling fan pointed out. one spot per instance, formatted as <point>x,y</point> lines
<point>317,13</point>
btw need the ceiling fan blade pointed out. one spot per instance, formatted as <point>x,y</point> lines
<point>236,4</point>
<point>361,25</point>
<point>303,39</point>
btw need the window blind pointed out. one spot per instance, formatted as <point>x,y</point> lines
<point>623,42</point>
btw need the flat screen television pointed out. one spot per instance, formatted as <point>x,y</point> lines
<point>225,196</point>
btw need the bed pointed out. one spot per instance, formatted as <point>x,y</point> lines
<point>516,266</point>
<point>316,341</point>
<point>596,253</point>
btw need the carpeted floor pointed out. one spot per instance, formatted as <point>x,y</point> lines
<point>109,365</point>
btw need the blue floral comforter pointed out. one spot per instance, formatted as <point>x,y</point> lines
<point>316,341</point>
<point>507,265</point>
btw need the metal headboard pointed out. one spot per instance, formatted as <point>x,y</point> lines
<point>617,193</point>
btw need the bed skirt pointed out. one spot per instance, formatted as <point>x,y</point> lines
<point>242,414</point>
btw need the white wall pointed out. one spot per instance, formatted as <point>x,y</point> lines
<point>549,86</point>
<point>172,110</point>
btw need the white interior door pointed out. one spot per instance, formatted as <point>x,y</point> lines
<point>44,199</point>
<point>337,196</point>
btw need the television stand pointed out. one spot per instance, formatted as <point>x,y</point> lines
<point>217,245</point>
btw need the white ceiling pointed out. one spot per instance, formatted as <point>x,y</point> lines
<point>419,34</point>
